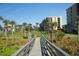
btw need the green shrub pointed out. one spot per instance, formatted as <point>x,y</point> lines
<point>8,50</point>
<point>59,35</point>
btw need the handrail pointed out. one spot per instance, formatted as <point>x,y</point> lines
<point>49,48</point>
<point>24,50</point>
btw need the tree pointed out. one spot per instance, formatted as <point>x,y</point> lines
<point>30,27</point>
<point>29,30</point>
<point>37,26</point>
<point>51,28</point>
<point>6,22</point>
<point>24,24</point>
<point>1,19</point>
<point>24,28</point>
<point>12,23</point>
<point>12,27</point>
<point>34,27</point>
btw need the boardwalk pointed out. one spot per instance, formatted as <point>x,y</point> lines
<point>36,50</point>
<point>46,48</point>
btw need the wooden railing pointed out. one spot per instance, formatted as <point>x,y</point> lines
<point>50,49</point>
<point>23,51</point>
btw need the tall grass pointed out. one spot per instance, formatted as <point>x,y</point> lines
<point>68,43</point>
<point>13,43</point>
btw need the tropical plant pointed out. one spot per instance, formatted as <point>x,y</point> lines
<point>24,29</point>
<point>37,26</point>
<point>59,35</point>
<point>12,26</point>
<point>51,29</point>
<point>12,29</point>
<point>6,22</point>
<point>1,19</point>
<point>24,26</point>
<point>29,30</point>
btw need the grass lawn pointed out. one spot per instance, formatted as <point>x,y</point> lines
<point>7,51</point>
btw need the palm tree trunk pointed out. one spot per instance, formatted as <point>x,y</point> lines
<point>52,36</point>
<point>29,34</point>
<point>6,36</point>
<point>13,37</point>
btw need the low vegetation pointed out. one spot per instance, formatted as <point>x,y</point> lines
<point>12,46</point>
<point>6,51</point>
<point>67,42</point>
<point>12,43</point>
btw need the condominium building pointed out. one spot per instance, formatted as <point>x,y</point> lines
<point>57,19</point>
<point>72,13</point>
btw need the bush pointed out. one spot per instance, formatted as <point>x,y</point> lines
<point>59,35</point>
<point>8,50</point>
<point>25,37</point>
<point>69,44</point>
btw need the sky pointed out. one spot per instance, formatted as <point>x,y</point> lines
<point>32,12</point>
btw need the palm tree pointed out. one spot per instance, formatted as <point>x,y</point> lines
<point>37,26</point>
<point>34,30</point>
<point>12,27</point>
<point>12,23</point>
<point>24,25</point>
<point>51,26</point>
<point>29,31</point>
<point>30,26</point>
<point>1,19</point>
<point>34,27</point>
<point>6,22</point>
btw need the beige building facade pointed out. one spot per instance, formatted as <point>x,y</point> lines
<point>58,20</point>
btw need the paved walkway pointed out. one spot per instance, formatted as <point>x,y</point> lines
<point>36,50</point>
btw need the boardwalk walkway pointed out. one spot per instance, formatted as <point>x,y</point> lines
<point>36,50</point>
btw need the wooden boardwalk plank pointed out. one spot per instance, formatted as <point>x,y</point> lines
<point>36,50</point>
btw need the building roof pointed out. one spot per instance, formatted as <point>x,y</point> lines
<point>71,6</point>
